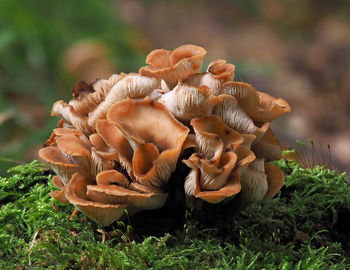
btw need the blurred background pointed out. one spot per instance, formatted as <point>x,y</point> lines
<point>295,49</point>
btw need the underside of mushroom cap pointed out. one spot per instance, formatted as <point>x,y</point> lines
<point>132,86</point>
<point>146,122</point>
<point>68,114</point>
<point>101,213</point>
<point>61,164</point>
<point>261,107</point>
<point>183,62</point>
<point>186,102</point>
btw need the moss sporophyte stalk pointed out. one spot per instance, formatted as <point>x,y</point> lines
<point>120,140</point>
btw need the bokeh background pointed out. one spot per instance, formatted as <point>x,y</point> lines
<point>295,49</point>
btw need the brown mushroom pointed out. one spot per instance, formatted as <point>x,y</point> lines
<point>146,122</point>
<point>173,66</point>
<point>261,107</point>
<point>222,70</point>
<point>268,147</point>
<point>101,213</point>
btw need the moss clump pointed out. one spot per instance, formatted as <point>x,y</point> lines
<point>305,227</point>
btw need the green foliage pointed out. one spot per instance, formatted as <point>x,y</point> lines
<point>33,37</point>
<point>292,231</point>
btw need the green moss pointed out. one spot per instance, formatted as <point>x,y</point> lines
<point>305,227</point>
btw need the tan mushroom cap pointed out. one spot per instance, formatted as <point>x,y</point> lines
<point>213,177</point>
<point>186,102</point>
<point>261,107</point>
<point>145,122</point>
<point>110,177</point>
<point>231,188</point>
<point>129,86</point>
<point>61,164</point>
<point>268,147</point>
<point>275,180</point>
<point>136,195</point>
<point>101,213</point>
<point>222,70</point>
<point>213,136</point>
<point>67,112</point>
<point>173,66</point>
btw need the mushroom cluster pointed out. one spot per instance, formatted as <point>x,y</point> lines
<point>119,139</point>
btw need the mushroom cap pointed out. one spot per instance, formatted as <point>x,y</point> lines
<point>213,136</point>
<point>275,180</point>
<point>206,79</point>
<point>101,213</point>
<point>59,195</point>
<point>268,147</point>
<point>146,122</point>
<point>102,148</point>
<point>260,106</point>
<point>222,70</point>
<point>61,164</point>
<point>173,66</point>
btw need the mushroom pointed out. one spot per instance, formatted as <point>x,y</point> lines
<point>260,106</point>
<point>186,102</point>
<point>102,213</point>
<point>119,139</point>
<point>155,136</point>
<point>222,70</point>
<point>172,66</point>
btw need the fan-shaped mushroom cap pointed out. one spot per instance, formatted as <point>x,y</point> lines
<point>61,164</point>
<point>213,136</point>
<point>254,182</point>
<point>67,112</point>
<point>213,177</point>
<point>261,107</point>
<point>268,147</point>
<point>145,122</point>
<point>231,188</point>
<point>173,66</point>
<point>186,102</point>
<point>130,86</point>
<point>101,213</point>
<point>275,180</point>
<point>244,157</point>
<point>222,70</point>
<point>106,192</point>
<point>114,138</point>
